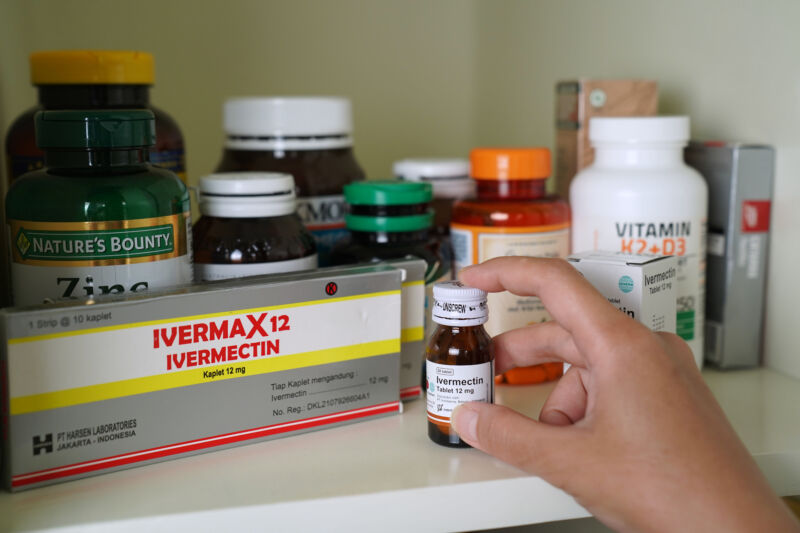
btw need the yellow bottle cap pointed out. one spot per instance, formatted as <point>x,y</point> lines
<point>99,67</point>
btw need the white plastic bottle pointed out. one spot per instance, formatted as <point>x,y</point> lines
<point>640,197</point>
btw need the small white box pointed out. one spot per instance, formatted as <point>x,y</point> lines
<point>641,286</point>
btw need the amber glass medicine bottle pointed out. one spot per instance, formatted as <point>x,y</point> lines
<point>307,137</point>
<point>512,215</point>
<point>96,80</point>
<point>459,358</point>
<point>249,227</point>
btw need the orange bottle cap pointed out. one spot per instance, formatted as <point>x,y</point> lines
<point>510,163</point>
<point>99,67</point>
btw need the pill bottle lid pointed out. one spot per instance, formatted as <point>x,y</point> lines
<point>389,194</point>
<point>92,67</point>
<point>639,129</point>
<point>288,123</point>
<point>449,177</point>
<point>510,163</point>
<point>247,194</point>
<point>431,169</point>
<point>119,128</point>
<point>455,304</point>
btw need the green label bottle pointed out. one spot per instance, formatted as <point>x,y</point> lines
<point>98,219</point>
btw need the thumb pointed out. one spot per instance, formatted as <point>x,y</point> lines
<point>537,448</point>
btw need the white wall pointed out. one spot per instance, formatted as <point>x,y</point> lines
<point>407,65</point>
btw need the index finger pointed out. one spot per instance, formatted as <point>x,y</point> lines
<point>568,297</point>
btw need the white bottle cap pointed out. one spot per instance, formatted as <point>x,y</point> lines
<point>639,130</point>
<point>247,194</point>
<point>449,177</point>
<point>288,123</point>
<point>455,304</point>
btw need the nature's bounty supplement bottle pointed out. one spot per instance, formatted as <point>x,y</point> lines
<point>92,79</point>
<point>512,215</point>
<point>459,358</point>
<point>640,197</point>
<point>307,137</point>
<point>249,227</point>
<point>99,219</point>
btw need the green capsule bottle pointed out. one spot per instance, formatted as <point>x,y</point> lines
<point>99,219</point>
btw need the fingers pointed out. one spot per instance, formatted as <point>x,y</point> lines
<point>545,342</point>
<point>511,437</point>
<point>567,403</point>
<point>570,299</point>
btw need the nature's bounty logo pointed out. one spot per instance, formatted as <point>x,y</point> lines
<point>23,244</point>
<point>95,245</point>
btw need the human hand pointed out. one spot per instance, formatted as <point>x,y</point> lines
<point>631,430</point>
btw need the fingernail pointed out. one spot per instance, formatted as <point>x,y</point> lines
<point>465,421</point>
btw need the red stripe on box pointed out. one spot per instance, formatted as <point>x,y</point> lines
<point>199,444</point>
<point>410,392</point>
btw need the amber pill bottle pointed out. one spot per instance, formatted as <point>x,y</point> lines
<point>249,227</point>
<point>92,80</point>
<point>459,358</point>
<point>307,137</point>
<point>511,216</point>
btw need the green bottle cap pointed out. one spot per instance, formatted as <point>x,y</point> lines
<point>389,224</point>
<point>387,192</point>
<point>124,128</point>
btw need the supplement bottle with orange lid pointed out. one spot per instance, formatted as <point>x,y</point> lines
<point>92,80</point>
<point>512,215</point>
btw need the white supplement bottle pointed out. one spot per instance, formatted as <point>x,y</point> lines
<point>640,197</point>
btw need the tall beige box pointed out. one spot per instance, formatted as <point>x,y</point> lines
<point>579,100</point>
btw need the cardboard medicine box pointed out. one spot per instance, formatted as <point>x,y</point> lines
<point>641,286</point>
<point>95,388</point>
<point>739,178</point>
<point>579,100</point>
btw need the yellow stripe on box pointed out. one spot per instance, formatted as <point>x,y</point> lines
<point>184,378</point>
<point>34,338</point>
<point>412,334</point>
<point>412,283</point>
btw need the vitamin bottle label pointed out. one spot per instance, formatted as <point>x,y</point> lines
<point>211,272</point>
<point>324,218</point>
<point>475,244</point>
<point>684,238</point>
<point>58,260</point>
<point>450,385</point>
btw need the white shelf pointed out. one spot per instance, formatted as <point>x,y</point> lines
<point>380,475</point>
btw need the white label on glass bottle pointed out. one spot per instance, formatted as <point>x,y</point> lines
<point>211,271</point>
<point>684,238</point>
<point>475,244</point>
<point>450,385</point>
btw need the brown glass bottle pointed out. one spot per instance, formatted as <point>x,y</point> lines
<point>459,358</point>
<point>87,79</point>
<point>249,227</point>
<point>307,137</point>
